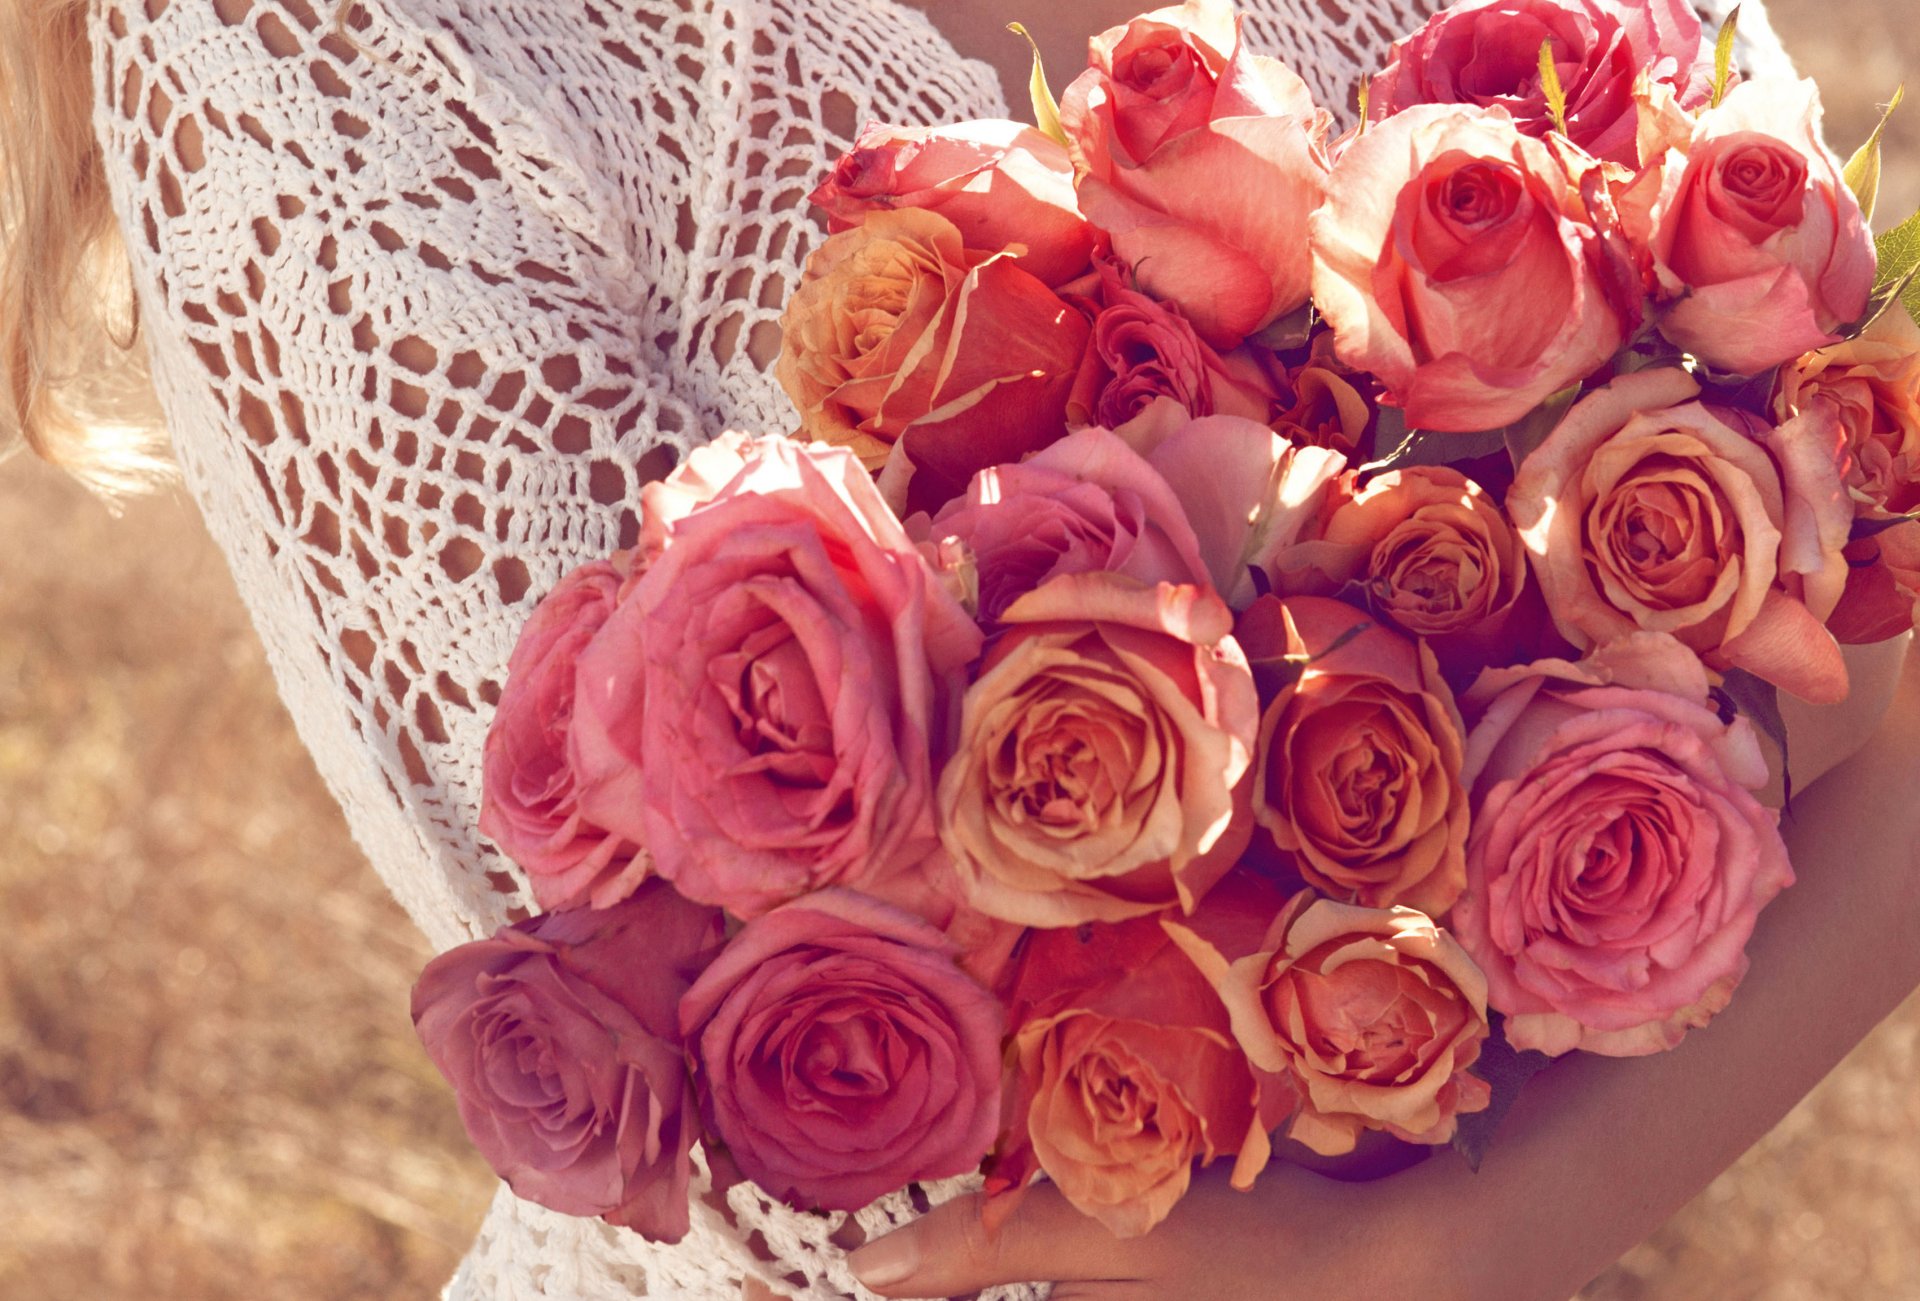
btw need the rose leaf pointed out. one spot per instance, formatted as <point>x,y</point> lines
<point>1505,1071</point>
<point>1867,528</point>
<point>1046,109</point>
<point>1862,172</point>
<point>1526,434</point>
<point>1741,692</point>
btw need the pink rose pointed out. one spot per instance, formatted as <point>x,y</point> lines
<point>1125,1070</point>
<point>1001,183</point>
<point>1088,502</point>
<point>841,1053</point>
<point>1249,494</point>
<point>1758,247</point>
<point>1456,259</point>
<point>1487,52</point>
<point>1376,1013</point>
<point>1099,772</point>
<point>561,1039</point>
<point>1201,161</point>
<point>1618,857</point>
<point>1645,509</point>
<point>530,801</point>
<point>766,708</point>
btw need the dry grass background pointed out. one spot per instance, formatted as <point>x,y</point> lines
<point>208,1086</point>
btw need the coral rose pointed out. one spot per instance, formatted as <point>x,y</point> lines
<point>1202,162</point>
<point>1647,510</point>
<point>1487,52</point>
<point>841,1053</point>
<point>1618,858</point>
<point>1759,249</point>
<point>1444,231</point>
<point>1357,776</point>
<point>1435,556</point>
<point>766,708</point>
<point>1099,771</point>
<point>1377,1013</point>
<point>1088,502</point>
<point>1125,1070</point>
<point>1000,183</point>
<point>899,335</point>
<point>1327,404</point>
<point>529,801</point>
<point>561,1039</point>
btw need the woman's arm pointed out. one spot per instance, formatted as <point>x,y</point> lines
<point>1596,1154</point>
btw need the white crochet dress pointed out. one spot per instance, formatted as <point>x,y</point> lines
<point>428,294</point>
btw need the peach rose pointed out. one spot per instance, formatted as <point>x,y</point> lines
<point>901,336</point>
<point>1873,381</point>
<point>1125,1070</point>
<point>1000,183</point>
<point>766,709</point>
<point>1202,162</point>
<point>1327,404</point>
<point>1103,749</point>
<point>1088,502</point>
<point>1357,776</point>
<point>1645,509</point>
<point>1759,250</point>
<point>1444,232</point>
<point>1618,858</point>
<point>1377,1014</point>
<point>1487,52</point>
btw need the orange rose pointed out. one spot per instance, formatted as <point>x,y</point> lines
<point>1125,1068</point>
<point>1357,777</point>
<point>1329,408</point>
<point>1100,764</point>
<point>1435,555</point>
<point>1646,509</point>
<point>900,336</point>
<point>1376,1013</point>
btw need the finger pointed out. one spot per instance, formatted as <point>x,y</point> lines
<point>949,1250</point>
<point>754,1290</point>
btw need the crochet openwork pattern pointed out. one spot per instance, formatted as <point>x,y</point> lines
<point>431,287</point>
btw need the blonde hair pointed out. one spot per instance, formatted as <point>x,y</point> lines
<point>72,380</point>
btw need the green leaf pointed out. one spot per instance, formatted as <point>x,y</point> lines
<point>1425,447</point>
<point>1046,109</point>
<point>1867,528</point>
<point>1899,253</point>
<point>1529,431</point>
<point>1365,98</point>
<point>1505,1071</point>
<point>1723,57</point>
<point>1863,169</point>
<point>1289,332</point>
<point>1550,87</point>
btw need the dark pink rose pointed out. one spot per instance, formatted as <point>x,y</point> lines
<point>561,1039</point>
<point>1000,182</point>
<point>841,1052</point>
<point>1088,502</point>
<point>1618,857</point>
<point>529,804</point>
<point>1759,249</point>
<point>1202,161</point>
<point>1487,52</point>
<point>1459,261</point>
<point>766,708</point>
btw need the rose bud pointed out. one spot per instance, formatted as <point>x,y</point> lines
<point>1618,857</point>
<point>1759,249</point>
<point>1443,232</point>
<point>561,1039</point>
<point>1202,161</point>
<point>1000,183</point>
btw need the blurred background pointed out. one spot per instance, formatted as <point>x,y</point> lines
<point>208,1085</point>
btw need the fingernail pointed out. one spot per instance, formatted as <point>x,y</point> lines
<point>885,1261</point>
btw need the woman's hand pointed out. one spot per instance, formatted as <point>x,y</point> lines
<point>1294,1235</point>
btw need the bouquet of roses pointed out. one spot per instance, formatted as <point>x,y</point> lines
<point>1263,626</point>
